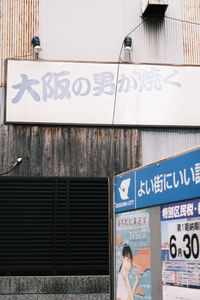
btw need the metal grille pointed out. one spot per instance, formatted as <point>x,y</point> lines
<point>53,225</point>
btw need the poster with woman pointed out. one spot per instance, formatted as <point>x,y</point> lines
<point>133,256</point>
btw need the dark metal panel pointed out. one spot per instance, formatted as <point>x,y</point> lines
<point>26,223</point>
<point>54,224</point>
<point>89,230</point>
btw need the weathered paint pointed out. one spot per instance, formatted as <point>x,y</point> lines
<point>19,22</point>
<point>69,151</point>
<point>191,32</point>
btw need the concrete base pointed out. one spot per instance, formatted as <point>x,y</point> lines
<point>54,288</point>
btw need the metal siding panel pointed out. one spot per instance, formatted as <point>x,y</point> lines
<point>91,39</point>
<point>182,42</point>
<point>191,33</point>
<point>19,22</point>
<point>160,143</point>
<point>81,30</point>
<point>160,40</point>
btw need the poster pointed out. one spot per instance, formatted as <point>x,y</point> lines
<point>133,255</point>
<point>180,238</point>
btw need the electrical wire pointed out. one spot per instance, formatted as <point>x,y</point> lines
<point>118,67</point>
<point>119,60</point>
<point>116,83</point>
<point>18,161</point>
<point>181,20</point>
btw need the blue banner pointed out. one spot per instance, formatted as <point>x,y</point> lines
<point>167,181</point>
<point>180,210</point>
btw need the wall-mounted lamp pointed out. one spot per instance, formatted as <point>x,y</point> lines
<point>36,44</point>
<point>127,49</point>
<point>17,162</point>
<point>128,43</point>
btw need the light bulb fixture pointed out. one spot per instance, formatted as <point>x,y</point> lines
<point>36,44</point>
<point>17,162</point>
<point>128,42</point>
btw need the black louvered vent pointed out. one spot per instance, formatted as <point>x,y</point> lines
<point>53,225</point>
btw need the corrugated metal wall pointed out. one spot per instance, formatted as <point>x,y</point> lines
<point>19,22</point>
<point>191,33</point>
<point>154,41</point>
<point>159,40</point>
<point>161,143</point>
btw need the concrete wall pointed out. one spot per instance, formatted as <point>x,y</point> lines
<point>54,288</point>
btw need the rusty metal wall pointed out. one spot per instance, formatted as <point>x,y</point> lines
<point>19,22</point>
<point>191,32</point>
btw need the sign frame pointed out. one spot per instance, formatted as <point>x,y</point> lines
<point>159,188</point>
<point>184,159</point>
<point>137,101</point>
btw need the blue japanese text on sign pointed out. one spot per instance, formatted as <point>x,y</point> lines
<point>168,181</point>
<point>180,210</point>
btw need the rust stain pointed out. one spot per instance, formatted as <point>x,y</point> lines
<point>19,22</point>
<point>191,33</point>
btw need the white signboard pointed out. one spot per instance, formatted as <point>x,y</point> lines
<point>84,93</point>
<point>180,234</point>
